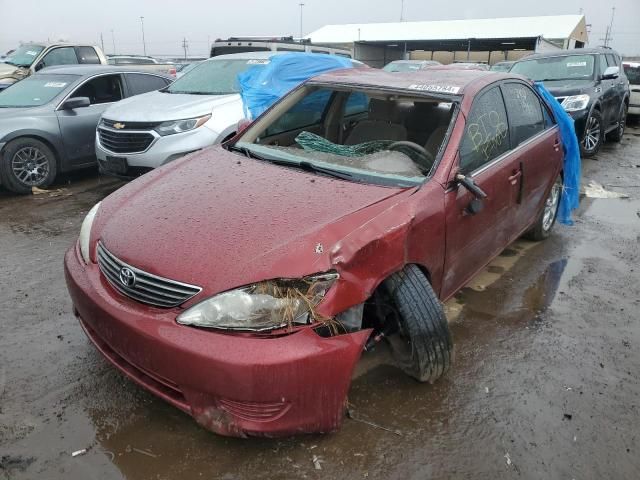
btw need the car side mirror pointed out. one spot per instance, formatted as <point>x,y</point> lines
<point>76,102</point>
<point>611,73</point>
<point>39,66</point>
<point>476,205</point>
<point>469,184</point>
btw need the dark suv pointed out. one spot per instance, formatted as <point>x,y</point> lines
<point>591,86</point>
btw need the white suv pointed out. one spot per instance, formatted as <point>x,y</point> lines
<point>199,109</point>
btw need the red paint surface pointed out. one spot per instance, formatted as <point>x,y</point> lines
<point>220,220</point>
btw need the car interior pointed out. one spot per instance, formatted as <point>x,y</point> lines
<point>103,89</point>
<point>359,127</point>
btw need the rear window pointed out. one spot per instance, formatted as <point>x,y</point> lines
<point>87,55</point>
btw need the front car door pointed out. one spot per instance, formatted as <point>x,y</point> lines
<point>472,240</point>
<point>78,126</point>
<point>536,148</point>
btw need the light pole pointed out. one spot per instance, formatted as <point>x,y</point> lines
<point>402,10</point>
<point>301,5</point>
<point>113,39</point>
<point>144,45</point>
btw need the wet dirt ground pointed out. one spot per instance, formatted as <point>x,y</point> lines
<point>546,382</point>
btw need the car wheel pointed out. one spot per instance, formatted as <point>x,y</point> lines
<point>421,345</point>
<point>593,135</point>
<point>618,133</point>
<point>27,163</point>
<point>547,219</point>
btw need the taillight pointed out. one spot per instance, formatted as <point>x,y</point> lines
<point>172,72</point>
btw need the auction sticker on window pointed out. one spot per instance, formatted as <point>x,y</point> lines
<point>55,84</point>
<point>577,64</point>
<point>435,88</point>
<point>257,62</point>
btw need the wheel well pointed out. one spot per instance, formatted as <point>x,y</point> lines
<point>56,154</point>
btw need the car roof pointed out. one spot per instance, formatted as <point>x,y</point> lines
<point>412,82</point>
<point>572,51</point>
<point>94,69</point>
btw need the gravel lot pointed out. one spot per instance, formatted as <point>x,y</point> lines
<point>545,384</point>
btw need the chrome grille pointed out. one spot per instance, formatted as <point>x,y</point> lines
<point>147,288</point>
<point>123,141</point>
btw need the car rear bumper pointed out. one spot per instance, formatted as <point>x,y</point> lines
<point>231,384</point>
<point>163,149</point>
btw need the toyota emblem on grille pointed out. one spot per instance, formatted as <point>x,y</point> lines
<point>118,125</point>
<point>127,277</point>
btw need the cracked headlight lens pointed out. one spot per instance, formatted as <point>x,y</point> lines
<point>262,306</point>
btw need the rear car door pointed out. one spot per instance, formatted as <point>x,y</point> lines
<point>78,126</point>
<point>484,154</point>
<point>536,148</point>
<point>138,83</point>
<point>620,85</point>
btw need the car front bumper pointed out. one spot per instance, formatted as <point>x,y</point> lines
<point>237,385</point>
<point>580,121</point>
<point>163,149</point>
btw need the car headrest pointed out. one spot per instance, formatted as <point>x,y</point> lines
<point>384,110</point>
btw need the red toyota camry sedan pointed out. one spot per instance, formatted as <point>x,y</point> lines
<point>242,283</point>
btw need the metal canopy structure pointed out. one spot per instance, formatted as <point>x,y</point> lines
<point>504,29</point>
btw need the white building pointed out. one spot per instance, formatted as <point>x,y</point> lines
<point>480,40</point>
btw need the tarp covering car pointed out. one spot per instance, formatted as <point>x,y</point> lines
<point>262,85</point>
<point>570,198</point>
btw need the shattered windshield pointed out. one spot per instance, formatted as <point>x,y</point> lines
<point>214,77</point>
<point>565,67</point>
<point>24,56</point>
<point>357,135</point>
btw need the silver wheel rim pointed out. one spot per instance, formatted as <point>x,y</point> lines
<point>592,134</point>
<point>30,166</point>
<point>623,121</point>
<point>551,206</point>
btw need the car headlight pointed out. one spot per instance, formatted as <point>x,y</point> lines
<point>575,103</point>
<point>85,232</point>
<point>262,306</point>
<point>179,126</point>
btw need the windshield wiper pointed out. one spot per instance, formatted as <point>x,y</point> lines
<point>312,167</point>
<point>246,152</point>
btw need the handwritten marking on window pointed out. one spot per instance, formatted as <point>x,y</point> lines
<point>487,133</point>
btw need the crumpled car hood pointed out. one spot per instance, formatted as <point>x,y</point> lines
<point>162,107</point>
<point>220,220</point>
<point>10,71</point>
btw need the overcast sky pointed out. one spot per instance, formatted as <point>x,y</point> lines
<point>166,23</point>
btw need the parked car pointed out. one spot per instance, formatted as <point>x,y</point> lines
<point>591,86</point>
<point>198,110</point>
<point>184,68</point>
<point>463,66</point>
<point>48,121</point>
<point>29,58</point>
<point>409,65</point>
<point>271,44</point>
<point>501,66</point>
<point>241,284</point>
<point>142,62</point>
<point>632,71</point>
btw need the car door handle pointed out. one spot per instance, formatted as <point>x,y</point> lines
<point>556,145</point>
<point>513,179</point>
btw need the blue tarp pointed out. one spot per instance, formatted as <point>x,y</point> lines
<point>262,85</point>
<point>570,198</point>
